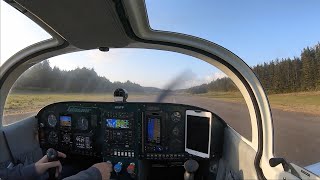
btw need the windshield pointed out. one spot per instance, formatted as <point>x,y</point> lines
<point>146,74</point>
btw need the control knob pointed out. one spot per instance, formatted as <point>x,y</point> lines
<point>130,170</point>
<point>118,167</point>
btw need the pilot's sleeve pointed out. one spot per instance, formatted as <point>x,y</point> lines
<point>19,172</point>
<point>91,173</point>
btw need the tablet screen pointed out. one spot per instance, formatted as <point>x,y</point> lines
<point>198,133</point>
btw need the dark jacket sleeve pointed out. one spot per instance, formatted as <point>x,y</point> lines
<point>19,172</point>
<point>91,173</point>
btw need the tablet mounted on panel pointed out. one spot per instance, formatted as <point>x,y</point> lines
<point>198,133</point>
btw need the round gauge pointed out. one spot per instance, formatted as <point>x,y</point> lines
<point>176,116</point>
<point>176,131</point>
<point>53,137</point>
<point>82,123</point>
<point>52,120</point>
<point>66,138</point>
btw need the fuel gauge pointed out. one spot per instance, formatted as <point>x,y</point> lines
<point>82,123</point>
<point>176,116</point>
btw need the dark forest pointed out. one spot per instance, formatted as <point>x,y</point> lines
<point>277,76</point>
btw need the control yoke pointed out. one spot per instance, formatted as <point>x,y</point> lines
<point>52,155</point>
<point>191,166</point>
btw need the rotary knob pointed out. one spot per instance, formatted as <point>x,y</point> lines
<point>118,167</point>
<point>130,168</point>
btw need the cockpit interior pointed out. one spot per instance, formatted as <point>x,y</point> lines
<point>138,138</point>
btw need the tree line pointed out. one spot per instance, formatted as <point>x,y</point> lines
<point>278,76</point>
<point>42,77</point>
<point>292,74</point>
<point>221,85</point>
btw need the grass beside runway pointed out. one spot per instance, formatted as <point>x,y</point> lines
<point>27,102</point>
<point>305,102</point>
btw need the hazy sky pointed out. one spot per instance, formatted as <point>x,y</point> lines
<point>257,31</point>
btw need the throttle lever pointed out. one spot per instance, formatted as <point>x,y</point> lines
<point>276,161</point>
<point>52,155</point>
<point>286,166</point>
<point>191,166</point>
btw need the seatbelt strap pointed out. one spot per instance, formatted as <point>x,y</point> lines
<point>10,152</point>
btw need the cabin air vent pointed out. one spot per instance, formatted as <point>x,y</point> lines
<point>104,49</point>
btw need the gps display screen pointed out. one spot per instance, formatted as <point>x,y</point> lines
<point>117,123</point>
<point>154,130</point>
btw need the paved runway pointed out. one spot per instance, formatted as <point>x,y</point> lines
<point>297,135</point>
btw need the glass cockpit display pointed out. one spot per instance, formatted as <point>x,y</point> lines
<point>154,130</point>
<point>117,123</point>
<point>65,121</point>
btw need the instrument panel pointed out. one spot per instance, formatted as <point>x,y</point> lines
<point>71,129</point>
<point>122,131</point>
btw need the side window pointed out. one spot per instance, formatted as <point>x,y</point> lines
<point>287,62</point>
<point>17,32</point>
<point>293,86</point>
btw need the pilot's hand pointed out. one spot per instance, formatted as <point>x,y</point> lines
<point>43,164</point>
<point>105,169</point>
